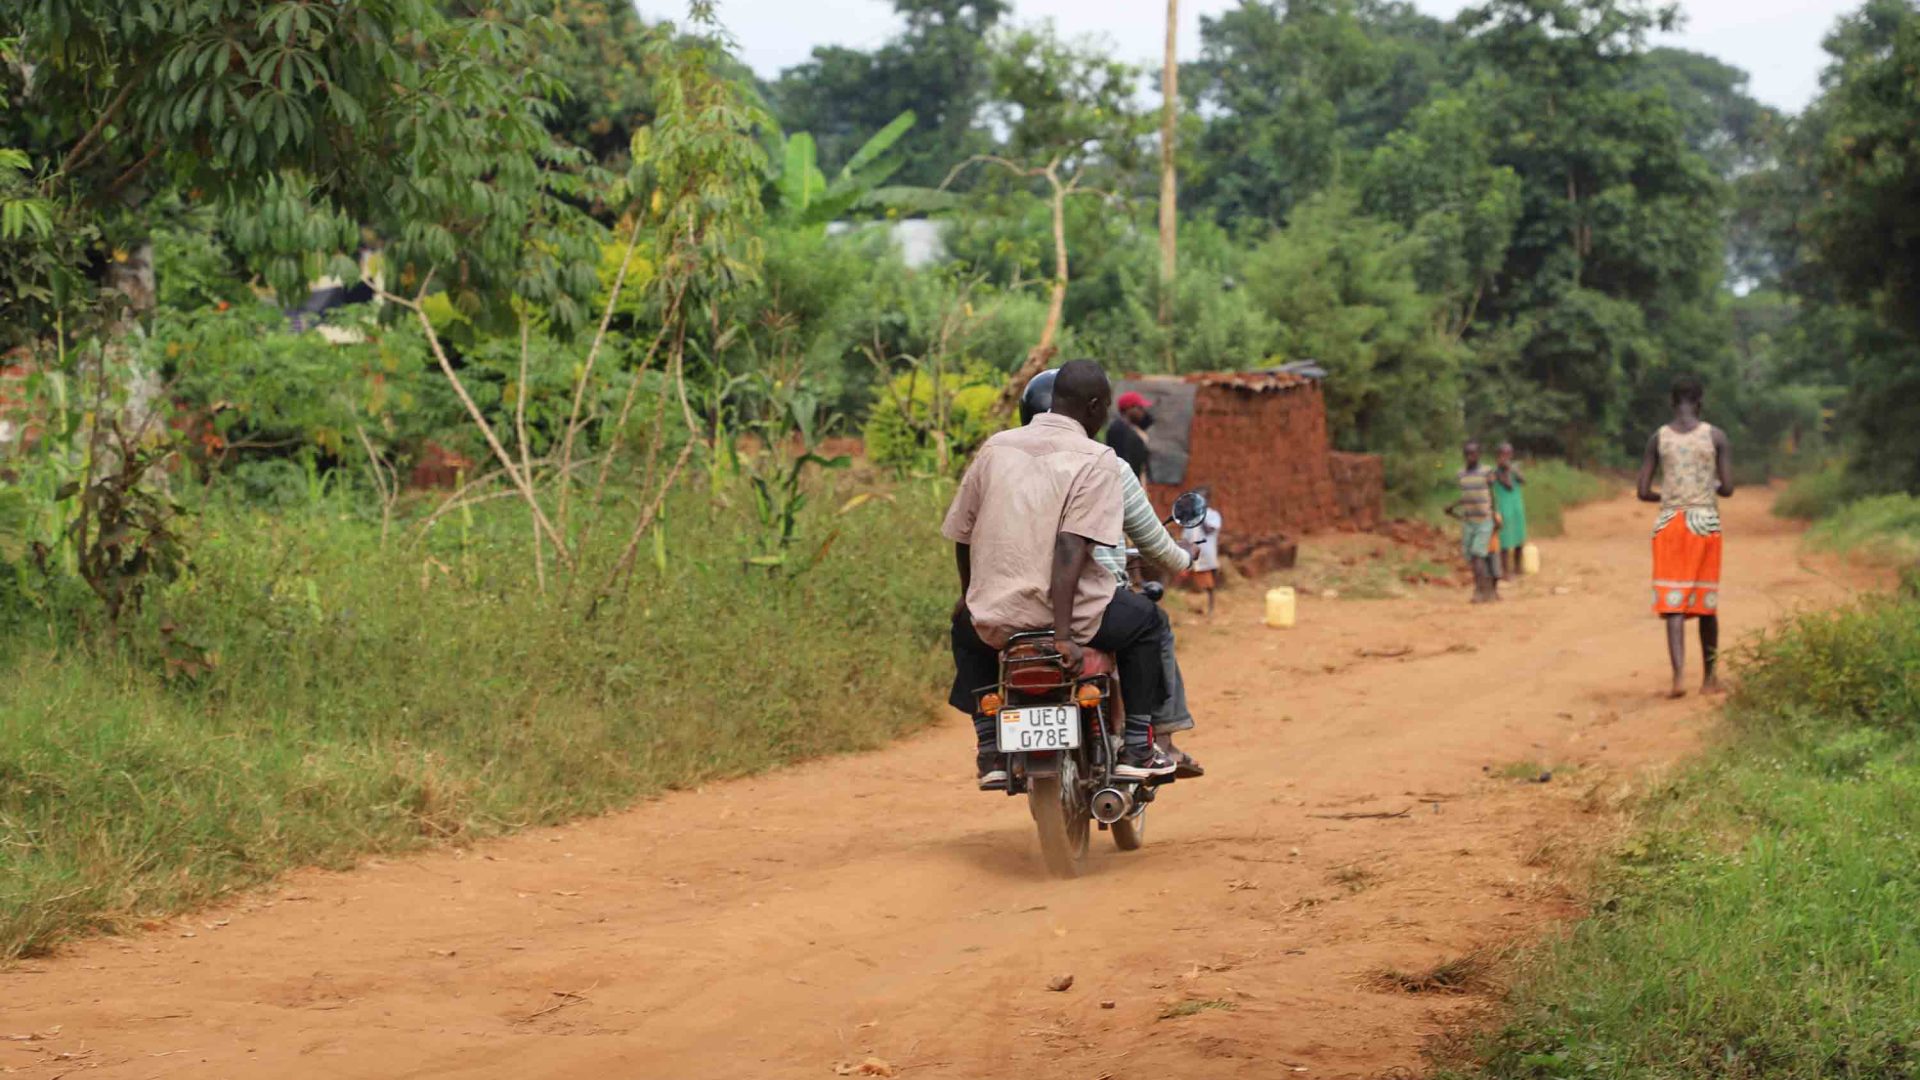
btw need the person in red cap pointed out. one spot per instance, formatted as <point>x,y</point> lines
<point>1124,434</point>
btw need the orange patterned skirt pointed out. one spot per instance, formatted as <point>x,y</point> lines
<point>1686,563</point>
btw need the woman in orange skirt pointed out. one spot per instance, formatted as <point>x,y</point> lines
<point>1696,472</point>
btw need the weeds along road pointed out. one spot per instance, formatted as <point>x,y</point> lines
<point>874,907</point>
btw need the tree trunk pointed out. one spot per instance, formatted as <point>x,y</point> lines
<point>1043,353</point>
<point>1057,300</point>
<point>1169,220</point>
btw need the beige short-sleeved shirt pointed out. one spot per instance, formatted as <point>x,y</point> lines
<point>1025,486</point>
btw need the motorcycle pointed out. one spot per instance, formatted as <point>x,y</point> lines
<point>1062,735</point>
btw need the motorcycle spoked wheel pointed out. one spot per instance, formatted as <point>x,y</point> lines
<point>1062,818</point>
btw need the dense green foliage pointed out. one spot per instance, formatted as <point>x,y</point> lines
<point>1761,922</point>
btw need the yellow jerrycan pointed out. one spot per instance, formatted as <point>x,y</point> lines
<point>1280,607</point>
<point>1529,559</point>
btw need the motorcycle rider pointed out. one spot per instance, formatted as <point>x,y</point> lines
<point>1146,532</point>
<point>1034,503</point>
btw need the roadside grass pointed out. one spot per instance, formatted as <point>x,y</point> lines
<point>1818,494</point>
<point>1762,919</point>
<point>367,701</point>
<point>1883,529</point>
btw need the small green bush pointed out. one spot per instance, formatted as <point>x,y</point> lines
<point>1818,494</point>
<point>905,440</point>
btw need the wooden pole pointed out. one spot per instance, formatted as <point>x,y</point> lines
<point>1169,219</point>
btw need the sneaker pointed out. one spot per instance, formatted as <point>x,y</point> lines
<point>1143,763</point>
<point>992,766</point>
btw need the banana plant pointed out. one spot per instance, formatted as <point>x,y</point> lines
<point>803,195</point>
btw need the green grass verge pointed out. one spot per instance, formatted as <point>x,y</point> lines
<point>1765,919</point>
<point>1884,529</point>
<point>371,701</point>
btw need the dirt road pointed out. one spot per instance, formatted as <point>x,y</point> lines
<point>876,907</point>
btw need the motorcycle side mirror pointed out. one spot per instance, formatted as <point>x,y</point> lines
<point>1190,510</point>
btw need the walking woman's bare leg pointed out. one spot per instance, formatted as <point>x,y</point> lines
<point>1710,653</point>
<point>1677,652</point>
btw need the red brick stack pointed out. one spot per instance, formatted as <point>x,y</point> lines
<point>1260,442</point>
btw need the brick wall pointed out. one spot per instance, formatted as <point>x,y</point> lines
<point>1360,485</point>
<point>1264,452</point>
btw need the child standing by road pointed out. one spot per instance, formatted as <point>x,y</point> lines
<point>1204,541</point>
<point>1510,508</point>
<point>1478,521</point>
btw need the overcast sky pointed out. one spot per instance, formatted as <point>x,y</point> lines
<point>1776,41</point>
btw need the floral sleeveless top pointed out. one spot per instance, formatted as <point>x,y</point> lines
<point>1689,479</point>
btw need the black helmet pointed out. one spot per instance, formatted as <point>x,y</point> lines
<point>1038,396</point>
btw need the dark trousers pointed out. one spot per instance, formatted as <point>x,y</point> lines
<point>1131,630</point>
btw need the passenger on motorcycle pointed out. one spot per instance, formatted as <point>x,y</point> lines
<point>1146,532</point>
<point>1030,510</point>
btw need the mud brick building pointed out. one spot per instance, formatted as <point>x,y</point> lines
<point>1259,440</point>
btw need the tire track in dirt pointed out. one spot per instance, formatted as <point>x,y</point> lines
<point>875,906</point>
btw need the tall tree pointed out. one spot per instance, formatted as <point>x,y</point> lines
<point>1072,118</point>
<point>937,69</point>
<point>1864,226</point>
<point>303,122</point>
<point>1619,238</point>
<point>1296,89</point>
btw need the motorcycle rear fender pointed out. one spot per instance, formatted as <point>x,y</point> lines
<point>1044,764</point>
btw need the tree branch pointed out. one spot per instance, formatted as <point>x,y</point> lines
<point>107,117</point>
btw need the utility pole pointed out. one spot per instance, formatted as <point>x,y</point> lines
<point>1169,218</point>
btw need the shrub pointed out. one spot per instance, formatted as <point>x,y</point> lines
<point>905,439</point>
<point>1818,494</point>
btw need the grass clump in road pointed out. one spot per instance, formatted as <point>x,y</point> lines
<point>362,700</point>
<point>1762,922</point>
<point>1194,1007</point>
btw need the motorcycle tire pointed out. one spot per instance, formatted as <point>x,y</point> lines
<point>1063,830</point>
<point>1131,831</point>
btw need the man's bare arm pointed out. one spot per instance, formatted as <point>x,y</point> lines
<point>1649,462</point>
<point>1723,461</point>
<point>1070,554</point>
<point>963,562</point>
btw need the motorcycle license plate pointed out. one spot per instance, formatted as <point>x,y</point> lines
<point>1040,727</point>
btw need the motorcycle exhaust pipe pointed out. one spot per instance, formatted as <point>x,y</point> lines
<point>1111,805</point>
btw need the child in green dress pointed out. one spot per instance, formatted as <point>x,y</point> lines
<point>1510,504</point>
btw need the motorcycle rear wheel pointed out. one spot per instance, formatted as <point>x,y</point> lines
<point>1131,831</point>
<point>1063,828</point>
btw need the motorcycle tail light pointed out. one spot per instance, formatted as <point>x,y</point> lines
<point>1034,677</point>
<point>990,704</point>
<point>1089,695</point>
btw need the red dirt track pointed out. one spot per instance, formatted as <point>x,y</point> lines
<point>876,907</point>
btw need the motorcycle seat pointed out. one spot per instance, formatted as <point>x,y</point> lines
<point>1032,645</point>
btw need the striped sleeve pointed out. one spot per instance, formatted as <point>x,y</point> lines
<point>1144,529</point>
